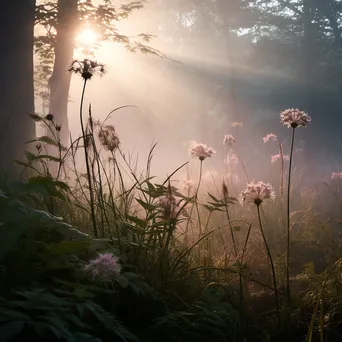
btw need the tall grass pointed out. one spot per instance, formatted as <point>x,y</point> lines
<point>202,279</point>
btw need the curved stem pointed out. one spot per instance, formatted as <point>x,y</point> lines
<point>272,266</point>
<point>288,289</point>
<point>91,197</point>
<point>196,197</point>
<point>231,229</point>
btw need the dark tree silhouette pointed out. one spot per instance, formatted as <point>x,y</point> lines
<point>59,82</point>
<point>16,86</point>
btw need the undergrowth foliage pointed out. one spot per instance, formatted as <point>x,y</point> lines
<point>107,253</point>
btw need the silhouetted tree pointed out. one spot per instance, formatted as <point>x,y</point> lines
<point>16,86</point>
<point>62,21</point>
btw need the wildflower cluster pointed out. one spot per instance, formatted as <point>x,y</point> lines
<point>105,267</point>
<point>108,138</point>
<point>336,175</point>
<point>256,193</point>
<point>269,137</point>
<point>276,157</point>
<point>169,206</point>
<point>86,68</point>
<point>201,151</point>
<point>228,140</point>
<point>294,118</point>
<point>237,124</point>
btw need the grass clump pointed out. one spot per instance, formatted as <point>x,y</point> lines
<point>108,253</point>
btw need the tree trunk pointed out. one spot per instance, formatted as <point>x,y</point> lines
<point>227,10</point>
<point>59,82</point>
<point>16,86</point>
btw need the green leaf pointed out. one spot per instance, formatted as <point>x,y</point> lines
<point>47,157</point>
<point>49,141</point>
<point>147,206</point>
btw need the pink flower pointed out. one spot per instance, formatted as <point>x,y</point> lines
<point>277,157</point>
<point>201,151</point>
<point>170,207</point>
<point>256,193</point>
<point>237,124</point>
<point>269,137</point>
<point>228,140</point>
<point>336,175</point>
<point>294,118</point>
<point>105,267</point>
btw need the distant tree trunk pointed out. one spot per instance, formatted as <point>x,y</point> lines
<point>309,54</point>
<point>16,86</point>
<point>60,79</point>
<point>227,10</point>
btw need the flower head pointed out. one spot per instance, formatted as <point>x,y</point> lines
<point>201,151</point>
<point>277,157</point>
<point>49,117</point>
<point>105,267</point>
<point>256,193</point>
<point>269,137</point>
<point>86,68</point>
<point>228,140</point>
<point>294,118</point>
<point>336,175</point>
<point>237,124</point>
<point>108,138</point>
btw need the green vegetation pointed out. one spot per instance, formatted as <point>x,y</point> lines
<point>105,253</point>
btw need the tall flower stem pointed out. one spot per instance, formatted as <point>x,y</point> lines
<point>231,228</point>
<point>85,143</point>
<point>195,198</point>
<point>288,289</point>
<point>272,265</point>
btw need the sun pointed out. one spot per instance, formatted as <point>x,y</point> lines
<point>87,37</point>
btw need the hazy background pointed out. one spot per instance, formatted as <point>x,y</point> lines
<point>232,61</point>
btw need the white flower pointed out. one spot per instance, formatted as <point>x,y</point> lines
<point>256,193</point>
<point>237,124</point>
<point>201,151</point>
<point>277,157</point>
<point>336,175</point>
<point>104,267</point>
<point>228,140</point>
<point>294,117</point>
<point>269,137</point>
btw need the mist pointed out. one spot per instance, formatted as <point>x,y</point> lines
<point>208,79</point>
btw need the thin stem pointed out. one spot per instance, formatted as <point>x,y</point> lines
<point>272,265</point>
<point>195,198</point>
<point>91,197</point>
<point>288,289</point>
<point>231,229</point>
<point>242,299</point>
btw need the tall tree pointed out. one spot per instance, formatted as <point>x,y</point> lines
<point>59,82</point>
<point>16,86</point>
<point>56,46</point>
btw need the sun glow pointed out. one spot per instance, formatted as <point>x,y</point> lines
<point>87,37</point>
